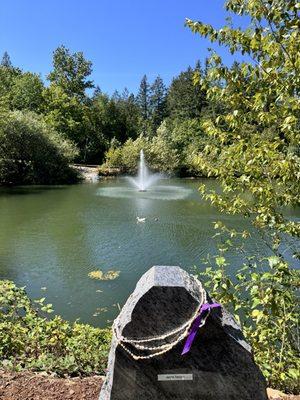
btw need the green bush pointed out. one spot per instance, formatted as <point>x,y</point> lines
<point>263,295</point>
<point>33,153</point>
<point>130,153</point>
<point>125,157</point>
<point>30,340</point>
<point>159,153</point>
<point>172,149</point>
<point>188,138</point>
<point>162,155</point>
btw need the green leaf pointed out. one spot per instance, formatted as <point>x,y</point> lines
<point>220,261</point>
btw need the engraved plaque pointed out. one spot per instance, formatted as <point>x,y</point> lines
<point>175,377</point>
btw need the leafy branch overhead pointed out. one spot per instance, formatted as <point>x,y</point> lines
<point>254,147</point>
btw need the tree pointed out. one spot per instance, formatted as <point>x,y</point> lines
<point>162,154</point>
<point>67,107</point>
<point>7,78</point>
<point>189,139</point>
<point>186,100</point>
<point>33,153</point>
<point>66,114</point>
<point>97,91</point>
<point>103,127</point>
<point>158,102</point>
<point>132,117</point>
<point>125,94</point>
<point>71,72</point>
<point>129,115</point>
<point>112,119</point>
<point>6,62</point>
<point>27,92</point>
<point>143,102</point>
<point>143,98</point>
<point>254,143</point>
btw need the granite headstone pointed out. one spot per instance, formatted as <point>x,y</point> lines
<point>218,366</point>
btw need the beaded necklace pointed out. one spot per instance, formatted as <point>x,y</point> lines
<point>163,348</point>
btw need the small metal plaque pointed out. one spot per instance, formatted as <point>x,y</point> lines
<point>175,377</point>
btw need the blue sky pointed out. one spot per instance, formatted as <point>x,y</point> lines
<point>124,39</point>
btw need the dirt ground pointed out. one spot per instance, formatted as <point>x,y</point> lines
<point>31,386</point>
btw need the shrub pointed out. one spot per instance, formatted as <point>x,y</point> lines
<point>262,295</point>
<point>126,156</point>
<point>33,153</point>
<point>159,153</point>
<point>172,149</point>
<point>161,156</point>
<point>29,340</point>
<point>130,153</point>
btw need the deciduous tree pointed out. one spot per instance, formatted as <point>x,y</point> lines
<point>254,146</point>
<point>71,72</point>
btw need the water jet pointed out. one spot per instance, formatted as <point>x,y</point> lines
<point>144,178</point>
<point>144,186</point>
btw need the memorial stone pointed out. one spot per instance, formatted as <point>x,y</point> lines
<point>159,352</point>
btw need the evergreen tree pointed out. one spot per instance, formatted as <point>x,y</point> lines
<point>186,100</point>
<point>116,96</point>
<point>97,92</point>
<point>143,102</point>
<point>158,102</point>
<point>127,115</point>
<point>131,114</point>
<point>143,97</point>
<point>125,94</point>
<point>6,62</point>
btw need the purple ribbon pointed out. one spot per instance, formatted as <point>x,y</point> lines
<point>197,321</point>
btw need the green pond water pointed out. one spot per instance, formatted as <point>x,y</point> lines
<point>52,237</point>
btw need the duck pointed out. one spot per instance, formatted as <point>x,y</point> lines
<point>139,219</point>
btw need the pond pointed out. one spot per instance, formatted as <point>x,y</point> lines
<point>51,238</point>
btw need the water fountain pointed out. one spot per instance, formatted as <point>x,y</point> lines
<point>144,186</point>
<point>144,178</point>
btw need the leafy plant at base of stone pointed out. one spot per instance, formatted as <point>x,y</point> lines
<point>263,296</point>
<point>30,340</point>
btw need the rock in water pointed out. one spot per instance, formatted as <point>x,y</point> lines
<point>219,365</point>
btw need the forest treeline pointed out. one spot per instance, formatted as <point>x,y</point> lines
<point>45,126</point>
